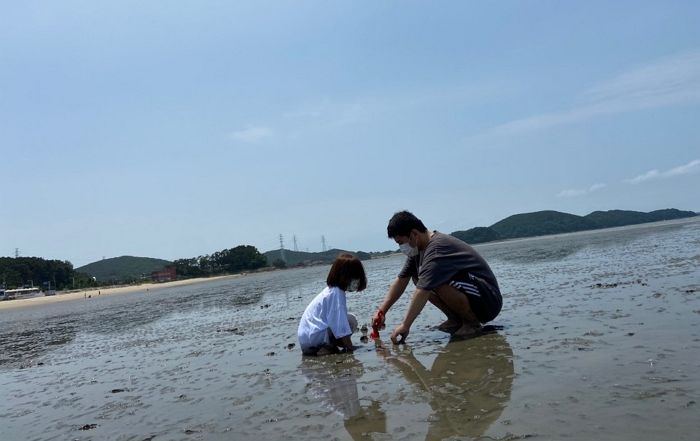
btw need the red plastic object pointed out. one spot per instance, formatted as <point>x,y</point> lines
<point>376,324</point>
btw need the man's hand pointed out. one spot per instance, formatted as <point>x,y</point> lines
<point>400,334</point>
<point>378,319</point>
<point>418,301</point>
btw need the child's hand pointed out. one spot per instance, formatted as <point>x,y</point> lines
<point>346,343</point>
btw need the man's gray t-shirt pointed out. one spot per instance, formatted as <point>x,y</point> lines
<point>444,257</point>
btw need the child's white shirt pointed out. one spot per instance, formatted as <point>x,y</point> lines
<point>326,311</point>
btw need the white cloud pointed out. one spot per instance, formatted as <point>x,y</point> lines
<point>691,167</point>
<point>651,174</point>
<point>665,81</point>
<point>669,81</point>
<point>572,193</point>
<point>251,134</point>
<point>323,115</point>
<point>327,113</point>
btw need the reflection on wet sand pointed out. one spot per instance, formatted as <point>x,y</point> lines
<point>19,348</point>
<point>469,384</point>
<point>334,385</point>
<point>542,252</point>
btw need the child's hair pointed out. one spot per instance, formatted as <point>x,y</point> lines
<point>345,269</point>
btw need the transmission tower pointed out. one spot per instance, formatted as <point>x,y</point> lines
<point>282,255</point>
<point>296,248</point>
<point>323,243</point>
<point>16,253</point>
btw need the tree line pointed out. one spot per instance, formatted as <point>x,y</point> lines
<point>41,273</point>
<point>232,260</point>
<point>46,274</point>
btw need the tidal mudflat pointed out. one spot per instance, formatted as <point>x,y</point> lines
<point>599,338</point>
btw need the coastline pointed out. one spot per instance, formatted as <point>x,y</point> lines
<point>95,292</point>
<point>584,232</point>
<point>117,290</point>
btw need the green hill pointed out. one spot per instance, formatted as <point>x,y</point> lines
<point>669,214</point>
<point>124,268</point>
<point>618,218</point>
<point>542,223</point>
<point>478,235</point>
<point>294,258</point>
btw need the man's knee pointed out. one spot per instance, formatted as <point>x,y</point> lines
<point>434,298</point>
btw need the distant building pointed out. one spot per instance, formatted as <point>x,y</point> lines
<point>167,274</point>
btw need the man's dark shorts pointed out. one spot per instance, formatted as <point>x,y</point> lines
<point>484,299</point>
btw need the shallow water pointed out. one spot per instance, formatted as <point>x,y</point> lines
<point>598,339</point>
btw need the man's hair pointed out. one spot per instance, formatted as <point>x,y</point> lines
<point>402,223</point>
<point>346,267</point>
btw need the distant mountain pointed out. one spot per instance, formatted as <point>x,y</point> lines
<point>670,214</point>
<point>542,223</point>
<point>124,268</point>
<point>478,235</point>
<point>618,218</point>
<point>294,258</point>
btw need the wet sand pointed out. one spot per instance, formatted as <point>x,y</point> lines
<point>107,291</point>
<point>599,339</point>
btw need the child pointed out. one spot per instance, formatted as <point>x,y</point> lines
<point>326,324</point>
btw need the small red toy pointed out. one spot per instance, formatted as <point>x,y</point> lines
<point>376,324</point>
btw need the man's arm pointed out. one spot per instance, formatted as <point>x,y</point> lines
<point>420,298</point>
<point>398,286</point>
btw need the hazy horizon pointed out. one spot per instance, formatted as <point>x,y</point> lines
<point>389,249</point>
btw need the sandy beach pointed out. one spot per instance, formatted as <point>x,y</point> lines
<point>107,291</point>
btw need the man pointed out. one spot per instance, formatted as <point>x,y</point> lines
<point>446,272</point>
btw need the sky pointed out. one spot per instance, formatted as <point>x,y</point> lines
<point>177,129</point>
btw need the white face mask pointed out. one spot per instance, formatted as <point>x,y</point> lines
<point>354,285</point>
<point>408,249</point>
